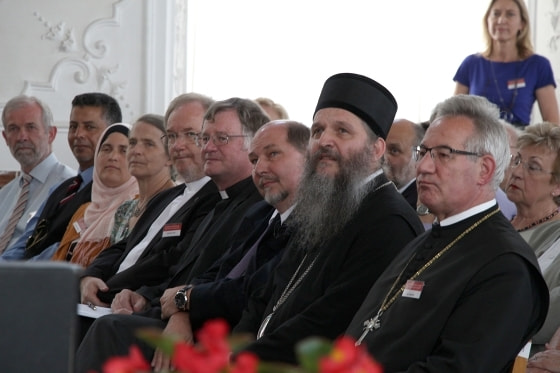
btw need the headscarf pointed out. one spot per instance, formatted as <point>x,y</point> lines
<point>99,215</point>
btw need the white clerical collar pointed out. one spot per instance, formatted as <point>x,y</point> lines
<point>224,194</point>
<point>196,185</point>
<point>283,216</point>
<point>467,213</point>
<point>372,176</point>
<point>401,190</point>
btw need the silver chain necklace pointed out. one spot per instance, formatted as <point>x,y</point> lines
<point>375,322</point>
<point>509,116</point>
<point>287,292</point>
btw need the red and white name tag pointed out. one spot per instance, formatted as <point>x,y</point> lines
<point>413,289</point>
<point>516,83</point>
<point>172,230</point>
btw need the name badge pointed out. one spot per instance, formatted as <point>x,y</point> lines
<point>413,289</point>
<point>516,83</point>
<point>172,230</point>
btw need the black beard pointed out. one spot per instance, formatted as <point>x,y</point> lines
<point>325,204</point>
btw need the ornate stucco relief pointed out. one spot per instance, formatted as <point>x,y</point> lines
<point>89,63</point>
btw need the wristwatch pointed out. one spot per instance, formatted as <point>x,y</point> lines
<point>422,210</point>
<point>181,299</point>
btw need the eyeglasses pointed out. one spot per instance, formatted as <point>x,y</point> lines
<point>533,168</point>
<point>218,139</point>
<point>440,153</point>
<point>189,136</point>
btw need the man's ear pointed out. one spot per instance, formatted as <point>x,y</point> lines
<point>487,168</point>
<point>379,148</point>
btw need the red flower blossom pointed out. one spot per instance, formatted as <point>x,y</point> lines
<point>213,337</point>
<point>246,362</point>
<point>133,363</point>
<point>345,357</point>
<point>210,356</point>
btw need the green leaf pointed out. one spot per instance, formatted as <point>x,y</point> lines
<point>310,350</point>
<point>155,338</point>
<point>239,341</point>
<point>266,367</point>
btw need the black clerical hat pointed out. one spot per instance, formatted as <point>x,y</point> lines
<point>363,97</point>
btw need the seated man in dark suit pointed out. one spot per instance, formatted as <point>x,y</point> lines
<point>91,114</point>
<point>143,259</point>
<point>399,164</point>
<point>227,130</point>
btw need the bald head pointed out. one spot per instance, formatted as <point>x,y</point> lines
<point>399,165</point>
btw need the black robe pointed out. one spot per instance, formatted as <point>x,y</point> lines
<point>411,195</point>
<point>162,252</point>
<point>325,301</point>
<point>214,236</point>
<point>480,303</point>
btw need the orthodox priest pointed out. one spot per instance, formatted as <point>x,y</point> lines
<point>349,222</point>
<point>467,295</point>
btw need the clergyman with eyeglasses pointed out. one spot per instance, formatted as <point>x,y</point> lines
<point>230,125</point>
<point>171,215</point>
<point>467,295</point>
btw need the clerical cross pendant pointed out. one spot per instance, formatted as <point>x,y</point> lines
<point>264,324</point>
<point>369,325</point>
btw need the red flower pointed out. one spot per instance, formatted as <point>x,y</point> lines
<point>210,356</point>
<point>133,363</point>
<point>213,336</point>
<point>348,358</point>
<point>186,358</point>
<point>246,362</point>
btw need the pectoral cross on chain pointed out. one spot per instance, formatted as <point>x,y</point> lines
<point>369,325</point>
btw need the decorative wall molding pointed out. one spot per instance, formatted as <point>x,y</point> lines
<point>58,33</point>
<point>82,72</point>
<point>89,63</point>
<point>98,48</point>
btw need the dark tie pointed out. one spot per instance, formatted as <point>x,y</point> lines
<point>72,190</point>
<point>241,266</point>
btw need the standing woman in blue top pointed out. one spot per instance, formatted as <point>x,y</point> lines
<point>508,72</point>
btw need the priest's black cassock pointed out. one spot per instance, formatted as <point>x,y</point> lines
<point>479,302</point>
<point>345,268</point>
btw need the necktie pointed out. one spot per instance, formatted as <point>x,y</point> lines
<point>16,213</point>
<point>241,267</point>
<point>72,190</point>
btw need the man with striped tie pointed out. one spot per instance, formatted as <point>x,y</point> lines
<point>91,113</point>
<point>29,133</point>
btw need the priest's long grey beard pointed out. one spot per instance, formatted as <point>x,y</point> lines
<point>325,204</point>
